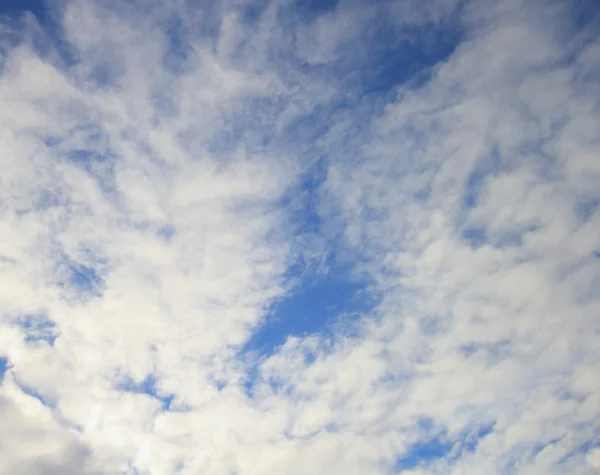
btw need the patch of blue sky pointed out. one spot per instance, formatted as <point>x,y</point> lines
<point>593,443</point>
<point>475,183</point>
<point>423,452</point>
<point>325,298</point>
<point>475,236</point>
<point>441,447</point>
<point>84,280</point>
<point>4,365</point>
<point>16,8</point>
<point>315,307</point>
<point>585,14</point>
<point>178,46</point>
<point>326,286</point>
<point>512,238</point>
<point>326,305</point>
<point>309,9</point>
<point>39,328</point>
<point>366,78</point>
<point>302,201</point>
<point>47,38</point>
<point>14,15</point>
<point>149,387</point>
<point>394,60</point>
<point>369,77</point>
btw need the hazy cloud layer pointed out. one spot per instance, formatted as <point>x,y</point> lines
<point>170,172</point>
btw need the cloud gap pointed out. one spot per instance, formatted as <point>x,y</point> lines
<point>81,280</point>
<point>39,328</point>
<point>313,308</point>
<point>441,446</point>
<point>4,367</point>
<point>149,387</point>
<point>178,50</point>
<point>408,62</point>
<point>17,8</point>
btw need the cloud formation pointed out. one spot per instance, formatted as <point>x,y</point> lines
<point>171,173</point>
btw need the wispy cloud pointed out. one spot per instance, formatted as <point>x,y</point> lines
<point>274,238</point>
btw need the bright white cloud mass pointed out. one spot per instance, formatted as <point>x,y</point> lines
<point>279,237</point>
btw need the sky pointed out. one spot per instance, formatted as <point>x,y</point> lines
<point>278,237</point>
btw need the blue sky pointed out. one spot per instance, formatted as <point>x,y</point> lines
<point>3,367</point>
<point>299,237</point>
<point>17,8</point>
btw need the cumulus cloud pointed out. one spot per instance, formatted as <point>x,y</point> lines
<point>170,172</point>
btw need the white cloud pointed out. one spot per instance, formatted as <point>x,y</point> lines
<point>141,214</point>
<point>529,285</point>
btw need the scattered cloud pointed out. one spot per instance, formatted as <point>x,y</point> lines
<point>269,237</point>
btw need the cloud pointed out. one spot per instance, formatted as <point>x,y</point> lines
<point>479,149</point>
<point>34,443</point>
<point>172,174</point>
